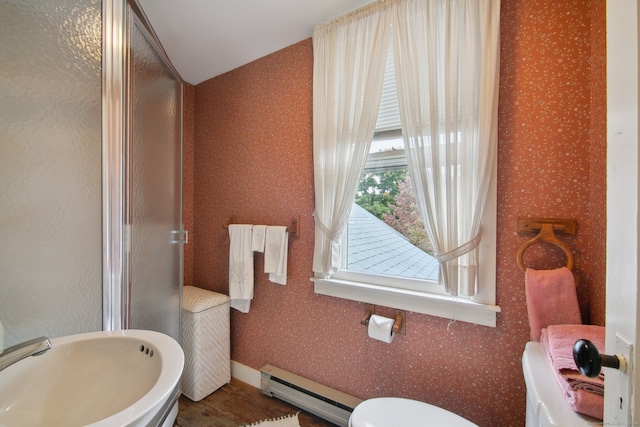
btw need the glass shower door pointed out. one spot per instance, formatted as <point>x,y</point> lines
<point>50,168</point>
<point>154,190</point>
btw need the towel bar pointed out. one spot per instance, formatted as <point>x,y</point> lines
<point>293,229</point>
<point>547,228</point>
<point>561,226</point>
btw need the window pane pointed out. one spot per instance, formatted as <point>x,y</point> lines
<point>389,113</point>
<point>383,145</point>
<point>385,234</point>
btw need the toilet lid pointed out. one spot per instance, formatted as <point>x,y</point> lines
<point>394,411</point>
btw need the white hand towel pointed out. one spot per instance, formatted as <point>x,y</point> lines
<point>240,267</point>
<point>258,238</point>
<point>275,254</point>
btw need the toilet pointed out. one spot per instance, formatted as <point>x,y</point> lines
<point>546,403</point>
<point>394,411</point>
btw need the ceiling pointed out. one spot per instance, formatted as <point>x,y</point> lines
<point>206,38</point>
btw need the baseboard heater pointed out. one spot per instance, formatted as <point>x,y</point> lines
<point>325,402</point>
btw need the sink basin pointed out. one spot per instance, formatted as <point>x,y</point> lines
<point>108,378</point>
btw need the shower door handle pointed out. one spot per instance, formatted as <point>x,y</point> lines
<point>179,237</point>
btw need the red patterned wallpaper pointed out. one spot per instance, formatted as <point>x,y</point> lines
<point>187,176</point>
<point>598,164</point>
<point>252,157</point>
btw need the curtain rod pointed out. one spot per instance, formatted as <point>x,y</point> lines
<point>357,13</point>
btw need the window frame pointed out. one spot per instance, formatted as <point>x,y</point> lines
<point>480,309</point>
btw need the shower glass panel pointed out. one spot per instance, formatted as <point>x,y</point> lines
<point>50,168</point>
<point>154,198</point>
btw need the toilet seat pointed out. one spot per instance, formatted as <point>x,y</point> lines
<point>394,411</point>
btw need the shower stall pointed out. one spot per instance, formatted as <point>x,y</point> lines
<point>91,232</point>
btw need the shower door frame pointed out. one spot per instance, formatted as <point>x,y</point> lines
<point>116,275</point>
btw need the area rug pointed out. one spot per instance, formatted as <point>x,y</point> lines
<point>285,421</point>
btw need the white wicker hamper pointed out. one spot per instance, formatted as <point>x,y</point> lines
<point>205,341</point>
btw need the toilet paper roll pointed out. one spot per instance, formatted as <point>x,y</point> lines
<point>381,328</point>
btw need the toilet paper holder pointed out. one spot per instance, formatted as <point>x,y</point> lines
<point>399,324</point>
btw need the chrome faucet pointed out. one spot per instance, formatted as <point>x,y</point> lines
<point>16,353</point>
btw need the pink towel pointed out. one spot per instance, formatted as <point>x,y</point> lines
<point>561,339</point>
<point>585,395</point>
<point>551,299</point>
<point>584,402</point>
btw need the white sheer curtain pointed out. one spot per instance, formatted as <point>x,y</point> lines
<point>349,62</point>
<point>447,65</point>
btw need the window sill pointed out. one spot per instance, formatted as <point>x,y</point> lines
<point>420,302</point>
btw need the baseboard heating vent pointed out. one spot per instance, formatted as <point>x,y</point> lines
<point>325,402</point>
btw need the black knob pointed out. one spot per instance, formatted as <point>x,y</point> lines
<point>589,361</point>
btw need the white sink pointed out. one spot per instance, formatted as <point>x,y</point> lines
<point>110,378</point>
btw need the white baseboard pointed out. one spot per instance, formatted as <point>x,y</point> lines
<point>245,374</point>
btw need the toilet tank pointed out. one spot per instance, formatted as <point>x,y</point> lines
<point>546,404</point>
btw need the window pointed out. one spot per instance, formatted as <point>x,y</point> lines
<point>386,242</point>
<point>382,285</point>
<point>451,112</point>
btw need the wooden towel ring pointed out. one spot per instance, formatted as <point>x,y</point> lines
<point>546,235</point>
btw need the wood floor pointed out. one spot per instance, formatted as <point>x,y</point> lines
<point>238,404</point>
